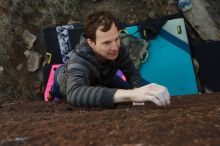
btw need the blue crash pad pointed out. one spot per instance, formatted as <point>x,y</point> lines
<point>169,60</point>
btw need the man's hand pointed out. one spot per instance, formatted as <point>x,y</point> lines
<point>151,92</point>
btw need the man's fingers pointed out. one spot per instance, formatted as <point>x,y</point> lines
<point>154,100</point>
<point>165,97</point>
<point>159,96</point>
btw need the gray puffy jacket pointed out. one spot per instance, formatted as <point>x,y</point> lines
<point>84,79</point>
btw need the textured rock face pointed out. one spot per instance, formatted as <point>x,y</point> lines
<point>16,16</point>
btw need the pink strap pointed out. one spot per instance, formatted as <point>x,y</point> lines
<point>50,80</point>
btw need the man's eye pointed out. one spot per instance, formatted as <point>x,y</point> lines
<point>107,43</point>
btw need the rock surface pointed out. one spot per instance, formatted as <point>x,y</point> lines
<point>205,19</point>
<point>188,121</point>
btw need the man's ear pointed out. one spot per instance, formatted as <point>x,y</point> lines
<point>91,43</point>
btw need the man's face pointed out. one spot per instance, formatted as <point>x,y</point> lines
<point>107,43</point>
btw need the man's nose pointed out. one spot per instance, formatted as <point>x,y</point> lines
<point>115,45</point>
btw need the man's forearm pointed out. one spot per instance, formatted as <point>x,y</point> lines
<point>151,92</point>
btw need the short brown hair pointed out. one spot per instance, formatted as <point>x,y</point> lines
<point>95,20</point>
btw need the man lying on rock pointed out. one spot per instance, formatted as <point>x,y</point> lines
<point>89,79</point>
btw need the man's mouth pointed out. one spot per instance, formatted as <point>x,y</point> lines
<point>113,53</point>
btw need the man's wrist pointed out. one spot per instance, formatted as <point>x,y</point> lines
<point>122,95</point>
